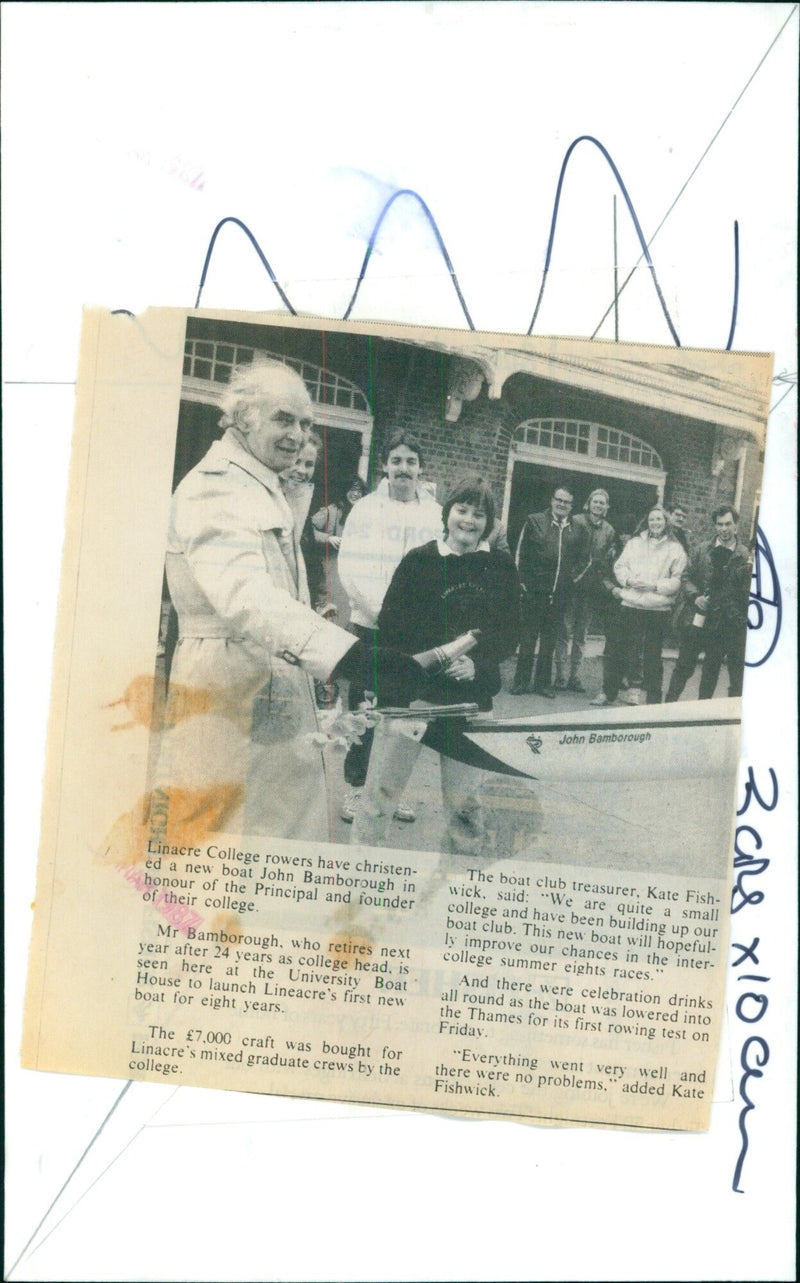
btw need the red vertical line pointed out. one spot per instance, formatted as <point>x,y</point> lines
<point>329,683</point>
<point>616,277</point>
<point>329,787</point>
<point>325,475</point>
<point>370,398</point>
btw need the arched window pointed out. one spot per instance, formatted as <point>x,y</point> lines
<point>582,454</point>
<point>207,362</point>
<point>341,407</point>
<point>582,446</point>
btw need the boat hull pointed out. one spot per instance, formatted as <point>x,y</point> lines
<point>658,742</point>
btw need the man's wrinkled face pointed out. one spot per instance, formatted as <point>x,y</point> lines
<point>402,470</point>
<point>561,505</point>
<point>275,428</point>
<point>725,527</point>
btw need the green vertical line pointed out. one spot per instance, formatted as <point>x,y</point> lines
<point>370,397</point>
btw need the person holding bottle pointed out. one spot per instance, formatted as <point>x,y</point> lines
<point>440,592</point>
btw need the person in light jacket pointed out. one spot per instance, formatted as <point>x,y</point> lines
<point>241,749</point>
<point>589,592</point>
<point>648,573</point>
<point>381,529</point>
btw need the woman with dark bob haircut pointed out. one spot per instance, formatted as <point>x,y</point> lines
<point>439,591</point>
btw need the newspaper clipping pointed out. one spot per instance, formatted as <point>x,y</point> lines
<point>395,716</point>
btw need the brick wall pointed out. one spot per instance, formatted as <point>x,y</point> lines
<point>479,441</point>
<point>407,385</point>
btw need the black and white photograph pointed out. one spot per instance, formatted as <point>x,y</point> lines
<point>437,595</point>
<point>400,702</point>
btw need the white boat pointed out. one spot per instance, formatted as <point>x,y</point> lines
<point>658,741</point>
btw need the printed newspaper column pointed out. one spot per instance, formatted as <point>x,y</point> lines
<point>545,941</point>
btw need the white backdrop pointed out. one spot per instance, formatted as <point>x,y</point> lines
<point>129,131</point>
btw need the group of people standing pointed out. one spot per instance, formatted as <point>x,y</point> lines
<point>636,585</point>
<point>260,585</point>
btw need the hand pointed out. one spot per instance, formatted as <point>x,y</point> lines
<point>701,603</point>
<point>395,677</point>
<point>329,610</point>
<point>641,585</point>
<point>334,541</point>
<point>461,669</point>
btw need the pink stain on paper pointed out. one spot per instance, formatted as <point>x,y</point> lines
<point>178,913</point>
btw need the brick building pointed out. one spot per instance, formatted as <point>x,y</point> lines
<point>668,428</point>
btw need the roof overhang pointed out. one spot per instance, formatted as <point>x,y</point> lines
<point>714,387</point>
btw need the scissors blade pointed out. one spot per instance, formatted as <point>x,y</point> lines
<point>448,738</point>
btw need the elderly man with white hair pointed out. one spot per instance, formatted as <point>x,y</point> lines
<point>241,748</point>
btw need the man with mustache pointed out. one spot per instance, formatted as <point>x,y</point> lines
<point>381,529</point>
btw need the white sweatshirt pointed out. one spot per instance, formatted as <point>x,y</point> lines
<point>377,535</point>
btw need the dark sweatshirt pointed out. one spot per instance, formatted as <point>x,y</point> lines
<point>433,599</point>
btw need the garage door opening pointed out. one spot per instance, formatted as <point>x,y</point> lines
<point>547,452</point>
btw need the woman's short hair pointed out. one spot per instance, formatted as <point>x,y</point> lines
<point>472,490</point>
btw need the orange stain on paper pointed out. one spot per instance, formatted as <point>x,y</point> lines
<point>229,923</point>
<point>145,701</point>
<point>169,817</point>
<point>347,948</point>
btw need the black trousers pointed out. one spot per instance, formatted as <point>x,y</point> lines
<point>692,641</point>
<point>720,645</point>
<point>636,629</point>
<point>540,620</point>
<point>724,644</point>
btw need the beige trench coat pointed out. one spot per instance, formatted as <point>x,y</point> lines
<point>239,751</point>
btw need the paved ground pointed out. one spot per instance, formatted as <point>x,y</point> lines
<point>625,824</point>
